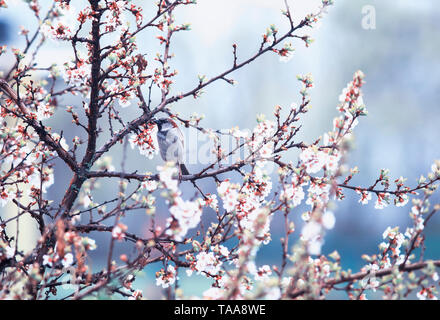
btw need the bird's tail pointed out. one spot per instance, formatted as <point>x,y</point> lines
<point>184,170</point>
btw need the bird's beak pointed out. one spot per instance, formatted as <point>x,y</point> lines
<point>154,120</point>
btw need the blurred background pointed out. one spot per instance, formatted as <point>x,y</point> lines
<point>399,58</point>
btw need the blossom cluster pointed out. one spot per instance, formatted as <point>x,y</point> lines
<point>145,141</point>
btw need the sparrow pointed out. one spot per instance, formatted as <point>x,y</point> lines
<point>171,142</point>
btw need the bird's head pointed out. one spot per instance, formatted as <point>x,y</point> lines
<point>164,123</point>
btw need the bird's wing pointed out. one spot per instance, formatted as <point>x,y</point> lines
<point>171,145</point>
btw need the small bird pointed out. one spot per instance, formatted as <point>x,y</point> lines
<point>171,142</point>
